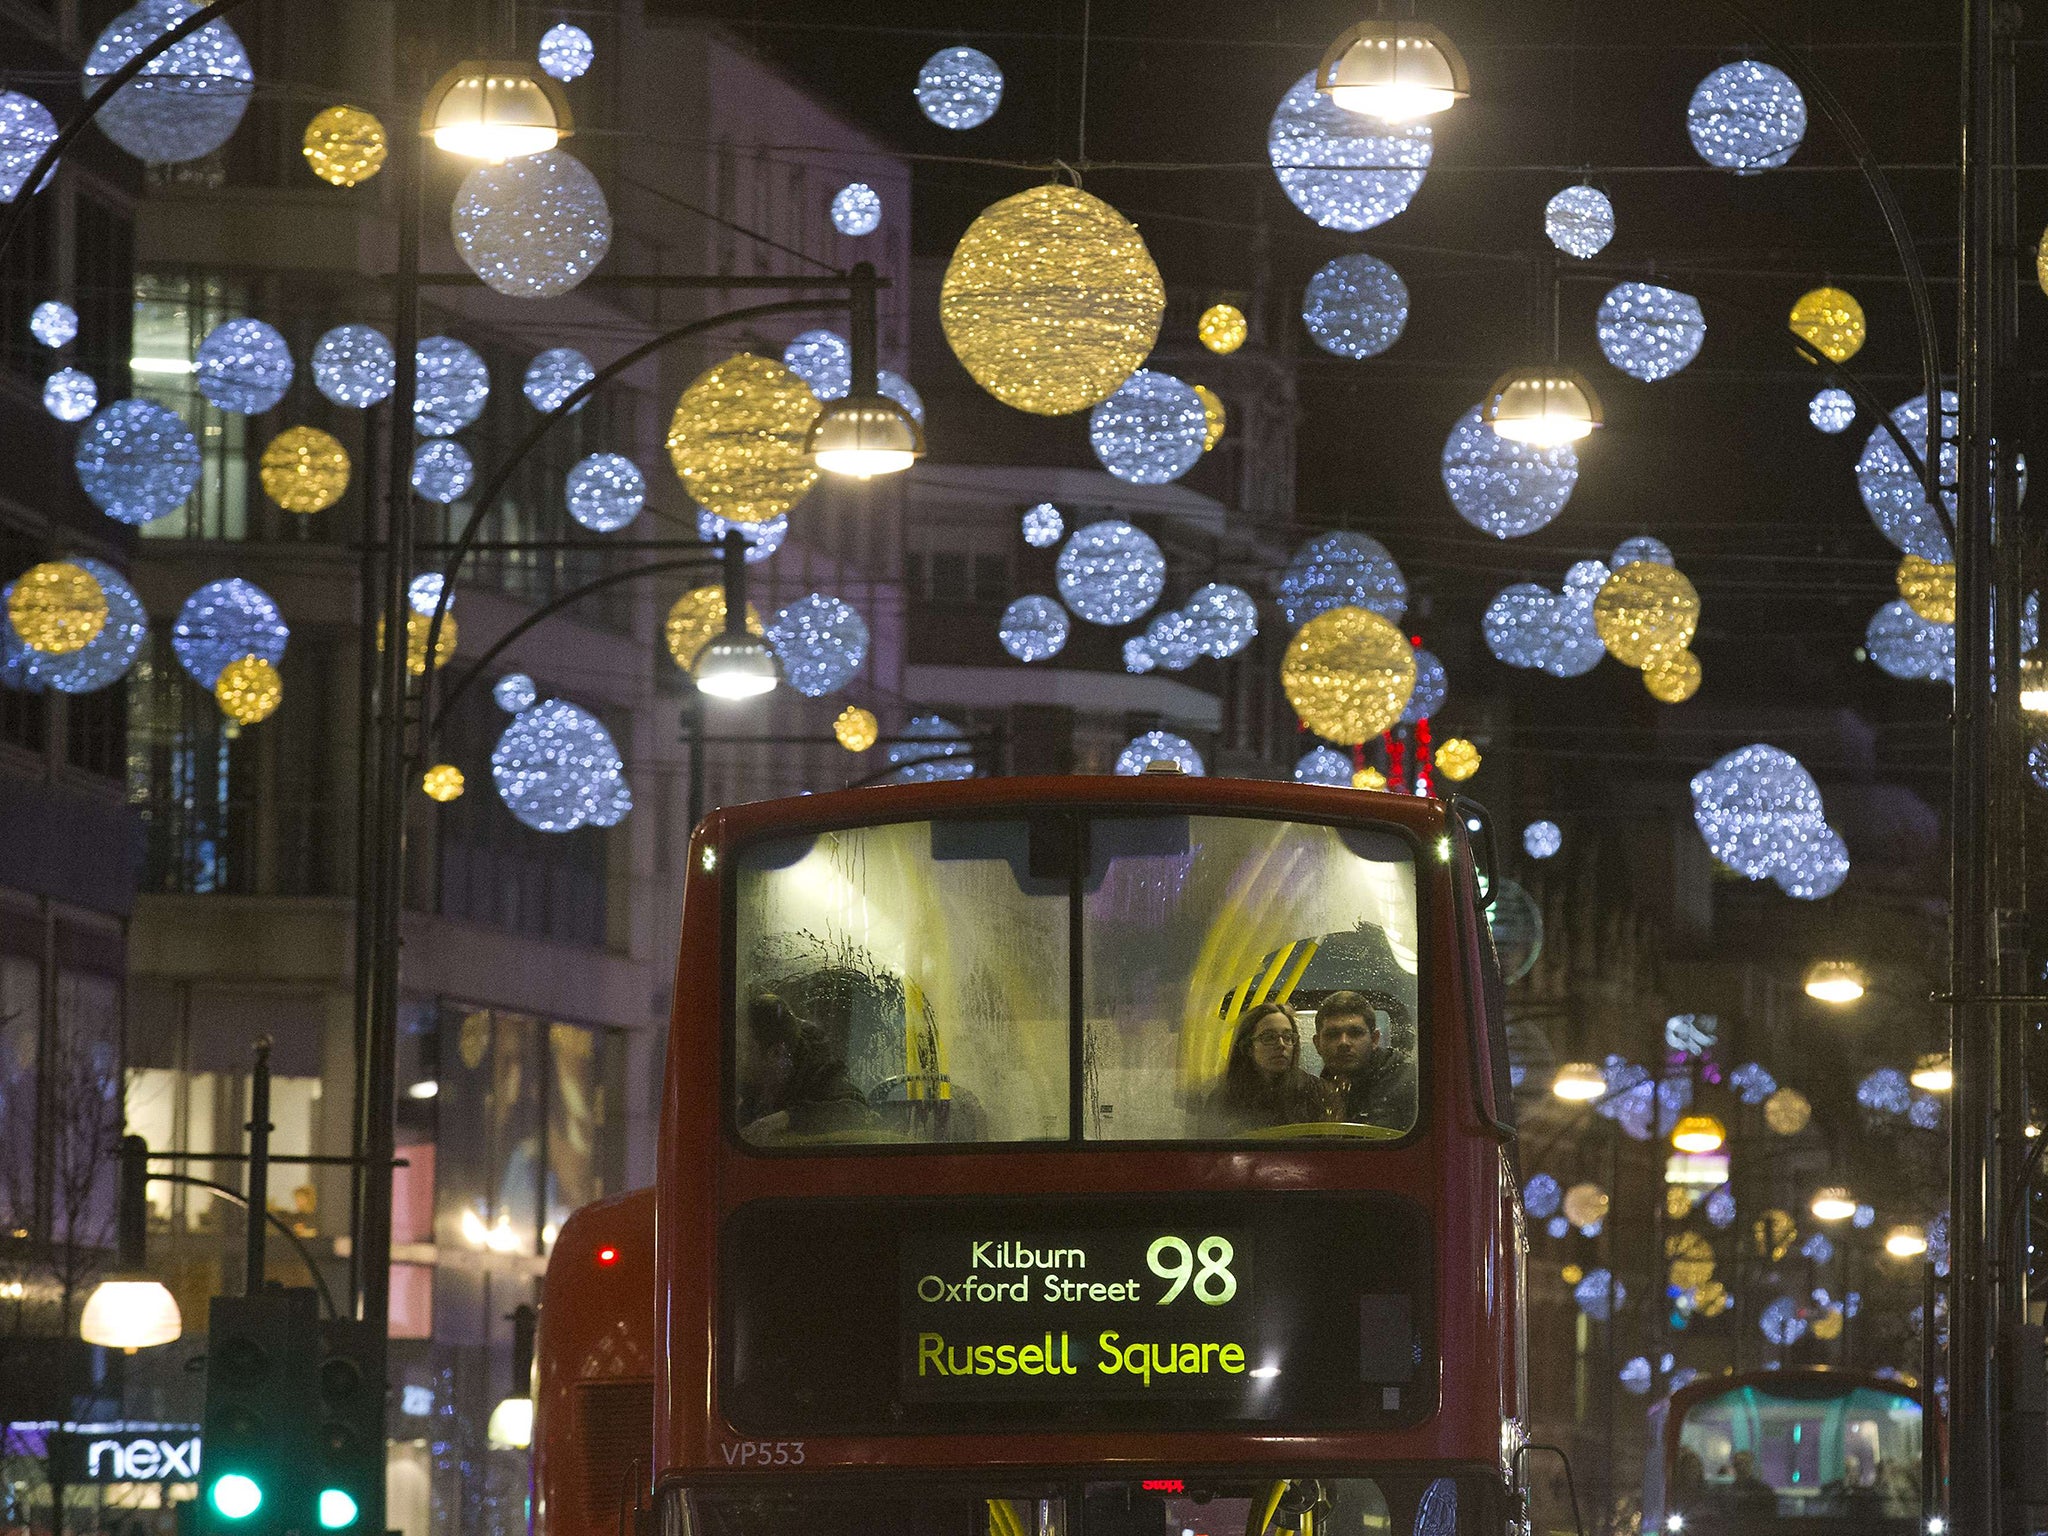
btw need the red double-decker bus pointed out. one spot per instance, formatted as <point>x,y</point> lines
<point>997,1198</point>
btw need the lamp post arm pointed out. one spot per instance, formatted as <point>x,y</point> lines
<point>1925,471</point>
<point>235,1196</point>
<point>90,109</point>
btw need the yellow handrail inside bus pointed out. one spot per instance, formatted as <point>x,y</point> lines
<point>1003,1519</point>
<point>1308,949</point>
<point>1266,981</point>
<point>1259,1518</point>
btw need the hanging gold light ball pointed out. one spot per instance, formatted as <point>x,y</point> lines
<point>1710,1299</point>
<point>1773,1233</point>
<point>1457,759</point>
<point>57,607</point>
<point>737,439</point>
<point>1368,777</point>
<point>416,627</point>
<point>1348,673</point>
<point>442,782</point>
<point>1672,676</point>
<point>345,146</point>
<point>304,469</point>
<point>1051,300</point>
<point>1644,608</point>
<point>1222,329</point>
<point>1585,1205</point>
<point>1929,589</point>
<point>1691,1256</point>
<point>1787,1111</point>
<point>1830,321</point>
<point>1828,1325</point>
<point>1678,1201</point>
<point>248,690</point>
<point>1571,1274</point>
<point>1212,416</point>
<point>2041,262</point>
<point>857,729</point>
<point>697,618</point>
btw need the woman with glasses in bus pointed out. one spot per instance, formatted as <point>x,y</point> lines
<point>1264,1084</point>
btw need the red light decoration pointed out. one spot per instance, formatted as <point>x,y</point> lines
<point>1424,758</point>
<point>1163,1485</point>
<point>607,1256</point>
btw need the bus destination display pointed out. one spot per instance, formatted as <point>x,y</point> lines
<point>1002,1314</point>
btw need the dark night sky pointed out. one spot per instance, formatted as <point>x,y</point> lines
<point>1720,461</point>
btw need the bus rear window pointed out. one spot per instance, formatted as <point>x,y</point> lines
<point>920,982</point>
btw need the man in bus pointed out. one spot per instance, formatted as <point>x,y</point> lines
<point>1372,1082</point>
<point>792,1077</point>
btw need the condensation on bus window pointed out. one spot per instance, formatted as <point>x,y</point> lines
<point>1191,925</point>
<point>922,976</point>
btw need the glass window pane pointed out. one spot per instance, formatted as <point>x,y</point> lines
<point>1244,977</point>
<point>902,983</point>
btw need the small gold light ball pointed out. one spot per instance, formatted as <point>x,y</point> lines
<point>1691,1255</point>
<point>1774,1232</point>
<point>442,782</point>
<point>1368,777</point>
<point>1571,1274</point>
<point>57,607</point>
<point>1457,759</point>
<point>416,627</point>
<point>1645,608</point>
<point>1929,589</point>
<point>856,728</point>
<point>1677,1202</point>
<point>697,618</point>
<point>737,439</point>
<point>1348,673</point>
<point>248,690</point>
<point>1787,1111</point>
<point>1212,416</point>
<point>1829,1324</point>
<point>304,470</point>
<point>1222,329</point>
<point>1831,322</point>
<point>344,146</point>
<point>1672,676</point>
<point>1051,300</point>
<point>1585,1204</point>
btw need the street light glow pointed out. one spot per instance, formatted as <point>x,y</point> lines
<point>129,1314</point>
<point>1395,71</point>
<point>863,436</point>
<point>1933,1073</point>
<point>1545,407</point>
<point>1833,1203</point>
<point>1578,1082</point>
<point>736,667</point>
<point>495,110</point>
<point>1836,982</point>
<point>1699,1133</point>
<point>1906,1242</point>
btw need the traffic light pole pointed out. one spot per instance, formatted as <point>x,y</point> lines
<point>259,1168</point>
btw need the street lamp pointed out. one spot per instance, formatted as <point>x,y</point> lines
<point>736,665</point>
<point>1833,1203</point>
<point>2034,683</point>
<point>1396,71</point>
<point>1933,1073</point>
<point>129,1310</point>
<point>864,436</point>
<point>1906,1242</point>
<point>1699,1134</point>
<point>495,110</point>
<point>511,1425</point>
<point>1578,1082</point>
<point>1836,982</point>
<point>1544,405</point>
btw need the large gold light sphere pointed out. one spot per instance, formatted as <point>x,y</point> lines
<point>1213,416</point>
<point>1051,300</point>
<point>1672,676</point>
<point>1585,1205</point>
<point>1644,608</point>
<point>855,728</point>
<point>1348,673</point>
<point>57,607</point>
<point>1929,589</point>
<point>1787,1111</point>
<point>1457,759</point>
<point>1222,329</point>
<point>416,627</point>
<point>738,436</point>
<point>304,469</point>
<point>696,619</point>
<point>248,690</point>
<point>1830,321</point>
<point>1368,777</point>
<point>443,782</point>
<point>345,146</point>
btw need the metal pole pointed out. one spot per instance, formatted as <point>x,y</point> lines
<point>132,1214</point>
<point>259,1167</point>
<point>861,324</point>
<point>693,730</point>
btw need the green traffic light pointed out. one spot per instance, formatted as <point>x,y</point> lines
<point>236,1497</point>
<point>337,1510</point>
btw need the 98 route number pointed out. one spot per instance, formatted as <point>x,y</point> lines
<point>1205,1266</point>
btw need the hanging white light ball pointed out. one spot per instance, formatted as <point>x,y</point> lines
<point>1043,526</point>
<point>821,642</point>
<point>606,492</point>
<point>424,591</point>
<point>1832,410</point>
<point>1342,170</point>
<point>554,375</point>
<point>1432,687</point>
<point>532,227</point>
<point>1150,431</point>
<point>959,88</point>
<point>1751,804</point>
<point>1517,624</point>
<point>1356,306</point>
<point>187,101</point>
<point>1649,332</point>
<point>224,621</point>
<point>514,692</point>
<point>930,749</point>
<point>1746,117</point>
<point>1110,572</point>
<point>243,366</point>
<point>1157,746</point>
<point>856,209</point>
<point>453,385</point>
<point>1171,641</point>
<point>1813,865</point>
<point>1579,221</point>
<point>1911,648</point>
<point>900,389</point>
<point>70,395</point>
<point>1225,619</point>
<point>1641,547</point>
<point>556,769</point>
<point>53,323</point>
<point>1138,657</point>
<point>1324,765</point>
<point>1033,628</point>
<point>1342,570</point>
<point>26,130</point>
<point>354,365</point>
<point>1892,492</point>
<point>1542,839</point>
<point>762,539</point>
<point>566,51</point>
<point>1501,486</point>
<point>442,470</point>
<point>823,360</point>
<point>1571,645</point>
<point>137,461</point>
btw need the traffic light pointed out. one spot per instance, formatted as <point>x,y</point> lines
<point>348,1464</point>
<point>257,1444</point>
